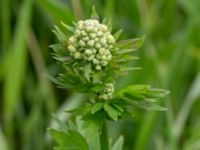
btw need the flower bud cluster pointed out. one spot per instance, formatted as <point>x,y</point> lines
<point>108,91</point>
<point>91,42</point>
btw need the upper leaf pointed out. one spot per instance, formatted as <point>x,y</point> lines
<point>142,96</point>
<point>94,14</point>
<point>70,140</point>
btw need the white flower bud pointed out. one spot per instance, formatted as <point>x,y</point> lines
<point>90,58</point>
<point>91,43</point>
<point>96,40</point>
<point>107,52</point>
<point>81,43</point>
<point>89,29</point>
<point>88,52</point>
<point>83,33</point>
<point>95,61</point>
<point>100,34</point>
<point>92,35</point>
<point>77,55</point>
<point>103,57</point>
<point>95,29</point>
<point>98,56</point>
<point>104,96</point>
<point>94,51</point>
<point>103,41</point>
<point>98,46</point>
<point>110,39</point>
<point>77,32</point>
<point>95,22</point>
<point>104,63</point>
<point>109,85</point>
<point>103,28</point>
<point>98,67</point>
<point>109,57</point>
<point>80,26</point>
<point>71,48</point>
<point>72,40</point>
<point>102,51</point>
<point>86,38</point>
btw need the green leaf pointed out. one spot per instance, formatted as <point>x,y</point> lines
<point>57,48</point>
<point>56,10</point>
<point>68,27</point>
<point>108,23</point>
<point>15,61</point>
<point>157,93</point>
<point>60,35</point>
<point>142,96</point>
<point>112,112</point>
<point>118,145</point>
<point>61,124</point>
<point>87,71</point>
<point>118,107</point>
<point>150,106</point>
<point>90,129</point>
<point>96,107</point>
<point>69,140</point>
<point>133,44</point>
<point>80,110</point>
<point>127,69</point>
<point>94,14</point>
<point>117,34</point>
<point>59,82</point>
<point>141,92</point>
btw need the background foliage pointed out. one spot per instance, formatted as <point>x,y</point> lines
<point>170,58</point>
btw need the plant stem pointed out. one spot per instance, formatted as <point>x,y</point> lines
<point>104,137</point>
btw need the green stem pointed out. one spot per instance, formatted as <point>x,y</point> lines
<point>104,137</point>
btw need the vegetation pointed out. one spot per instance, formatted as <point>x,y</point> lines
<point>169,59</point>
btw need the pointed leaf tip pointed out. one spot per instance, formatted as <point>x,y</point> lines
<point>94,14</point>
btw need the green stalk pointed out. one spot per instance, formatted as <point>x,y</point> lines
<point>104,137</point>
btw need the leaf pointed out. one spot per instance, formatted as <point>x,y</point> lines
<point>94,14</point>
<point>117,34</point>
<point>60,35</point>
<point>130,44</point>
<point>61,124</point>
<point>118,145</point>
<point>127,69</point>
<point>87,71</point>
<point>112,112</point>
<point>157,93</point>
<point>97,77</point>
<point>15,61</point>
<point>69,140</point>
<point>90,129</point>
<point>125,58</point>
<point>118,107</point>
<point>124,51</point>
<point>59,82</point>
<point>96,107</point>
<point>108,23</point>
<point>141,92</point>
<point>80,110</point>
<point>150,106</point>
<point>56,10</point>
<point>68,27</point>
<point>142,96</point>
<point>55,47</point>
<point>3,141</point>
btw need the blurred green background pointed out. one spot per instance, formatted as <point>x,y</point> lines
<point>170,58</point>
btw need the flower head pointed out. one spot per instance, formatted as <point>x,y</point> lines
<point>91,42</point>
<point>107,92</point>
